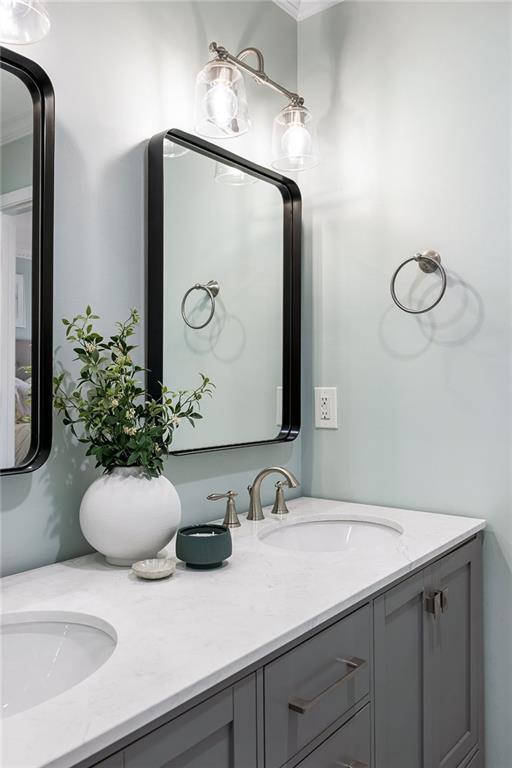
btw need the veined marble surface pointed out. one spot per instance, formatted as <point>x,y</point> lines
<point>179,637</point>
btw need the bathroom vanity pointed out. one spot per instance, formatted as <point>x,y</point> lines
<point>305,649</point>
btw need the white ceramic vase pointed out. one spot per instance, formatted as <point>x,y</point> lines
<point>128,517</point>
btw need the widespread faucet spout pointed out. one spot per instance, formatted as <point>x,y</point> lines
<point>255,509</point>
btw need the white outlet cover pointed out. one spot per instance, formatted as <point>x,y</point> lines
<point>326,408</point>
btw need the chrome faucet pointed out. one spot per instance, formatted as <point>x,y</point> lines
<point>255,510</point>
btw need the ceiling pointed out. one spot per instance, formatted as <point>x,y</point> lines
<point>301,9</point>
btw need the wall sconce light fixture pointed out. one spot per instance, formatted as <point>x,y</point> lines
<point>222,111</point>
<point>23,21</point>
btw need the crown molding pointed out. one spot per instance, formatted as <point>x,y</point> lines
<point>301,9</point>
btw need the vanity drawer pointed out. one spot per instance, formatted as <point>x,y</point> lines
<point>311,686</point>
<point>348,747</point>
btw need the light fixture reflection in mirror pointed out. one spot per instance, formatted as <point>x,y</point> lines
<point>171,149</point>
<point>294,144</point>
<point>233,177</point>
<point>23,21</point>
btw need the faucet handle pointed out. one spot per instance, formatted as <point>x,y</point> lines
<point>280,507</point>
<point>218,496</point>
<point>230,518</point>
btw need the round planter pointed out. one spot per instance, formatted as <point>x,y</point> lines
<point>128,517</point>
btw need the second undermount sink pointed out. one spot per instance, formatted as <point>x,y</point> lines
<point>44,653</point>
<point>332,535</point>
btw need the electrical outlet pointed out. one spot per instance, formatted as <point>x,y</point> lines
<point>326,408</point>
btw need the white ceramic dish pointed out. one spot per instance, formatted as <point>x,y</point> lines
<point>155,568</point>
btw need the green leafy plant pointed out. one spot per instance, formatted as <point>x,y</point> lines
<point>108,407</point>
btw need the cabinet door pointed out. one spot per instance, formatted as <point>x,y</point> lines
<point>219,733</point>
<point>457,656</point>
<point>403,693</point>
<point>428,665</point>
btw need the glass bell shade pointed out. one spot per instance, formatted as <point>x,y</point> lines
<point>294,142</point>
<point>221,104</point>
<point>233,177</point>
<point>23,21</point>
<point>171,149</point>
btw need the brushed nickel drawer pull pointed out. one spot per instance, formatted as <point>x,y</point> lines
<point>352,764</point>
<point>303,705</point>
<point>437,602</point>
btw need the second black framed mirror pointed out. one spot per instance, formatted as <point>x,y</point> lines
<point>223,291</point>
<point>27,124</point>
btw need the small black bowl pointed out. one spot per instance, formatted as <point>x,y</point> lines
<point>203,546</point>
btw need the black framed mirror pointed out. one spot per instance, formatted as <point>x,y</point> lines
<point>223,291</point>
<point>27,125</point>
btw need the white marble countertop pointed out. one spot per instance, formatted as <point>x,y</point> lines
<point>221,620</point>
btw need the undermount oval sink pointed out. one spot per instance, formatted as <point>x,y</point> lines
<point>331,535</point>
<point>44,653</point>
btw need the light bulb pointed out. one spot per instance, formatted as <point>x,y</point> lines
<point>221,104</point>
<point>293,139</point>
<point>23,21</point>
<point>296,142</point>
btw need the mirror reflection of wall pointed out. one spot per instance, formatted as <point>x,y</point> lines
<point>225,226</point>
<point>16,164</point>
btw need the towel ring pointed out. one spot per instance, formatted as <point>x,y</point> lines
<point>212,289</point>
<point>428,262</point>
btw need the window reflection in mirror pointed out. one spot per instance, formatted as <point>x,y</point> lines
<point>16,168</point>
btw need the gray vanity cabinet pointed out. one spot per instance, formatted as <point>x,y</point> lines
<point>427,665</point>
<point>219,733</point>
<point>396,683</point>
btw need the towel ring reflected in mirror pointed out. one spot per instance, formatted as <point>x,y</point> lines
<point>211,289</point>
<point>428,262</point>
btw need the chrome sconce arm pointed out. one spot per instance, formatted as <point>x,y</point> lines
<point>259,74</point>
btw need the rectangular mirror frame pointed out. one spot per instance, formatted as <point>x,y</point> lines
<point>292,227</point>
<point>41,90</point>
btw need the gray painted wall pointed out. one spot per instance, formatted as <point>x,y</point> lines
<point>113,92</point>
<point>414,108</point>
